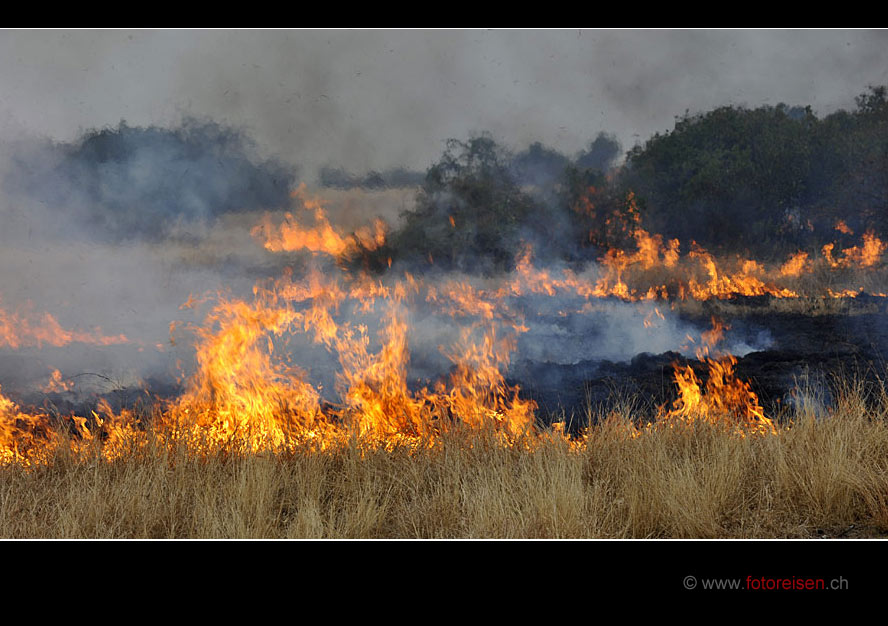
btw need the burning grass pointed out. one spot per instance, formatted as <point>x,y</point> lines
<point>824,473</point>
<point>255,447</point>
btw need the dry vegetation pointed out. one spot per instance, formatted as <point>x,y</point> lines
<point>824,474</point>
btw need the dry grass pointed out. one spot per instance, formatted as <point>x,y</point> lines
<point>826,474</point>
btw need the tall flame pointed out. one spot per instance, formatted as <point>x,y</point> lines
<point>724,399</point>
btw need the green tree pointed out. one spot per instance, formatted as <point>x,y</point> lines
<point>730,178</point>
<point>468,212</point>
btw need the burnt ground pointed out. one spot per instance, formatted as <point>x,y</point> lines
<point>811,350</point>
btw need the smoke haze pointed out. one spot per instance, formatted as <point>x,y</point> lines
<point>135,163</point>
<point>376,99</point>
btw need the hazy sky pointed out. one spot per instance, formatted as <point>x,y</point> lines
<point>382,98</point>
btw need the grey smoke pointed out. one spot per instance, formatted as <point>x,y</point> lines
<point>376,99</point>
<point>145,183</point>
<point>117,228</point>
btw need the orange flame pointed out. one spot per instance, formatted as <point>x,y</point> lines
<point>321,238</point>
<point>26,329</point>
<point>724,400</point>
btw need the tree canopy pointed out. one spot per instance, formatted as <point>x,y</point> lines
<point>764,181</point>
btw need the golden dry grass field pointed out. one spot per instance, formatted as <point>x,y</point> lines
<point>822,475</point>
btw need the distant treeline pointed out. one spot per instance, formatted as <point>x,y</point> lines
<point>770,179</point>
<point>765,182</point>
<point>129,183</point>
<point>338,178</point>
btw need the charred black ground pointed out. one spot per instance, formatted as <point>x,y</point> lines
<point>808,359</point>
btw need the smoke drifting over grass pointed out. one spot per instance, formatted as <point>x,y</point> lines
<point>117,228</point>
